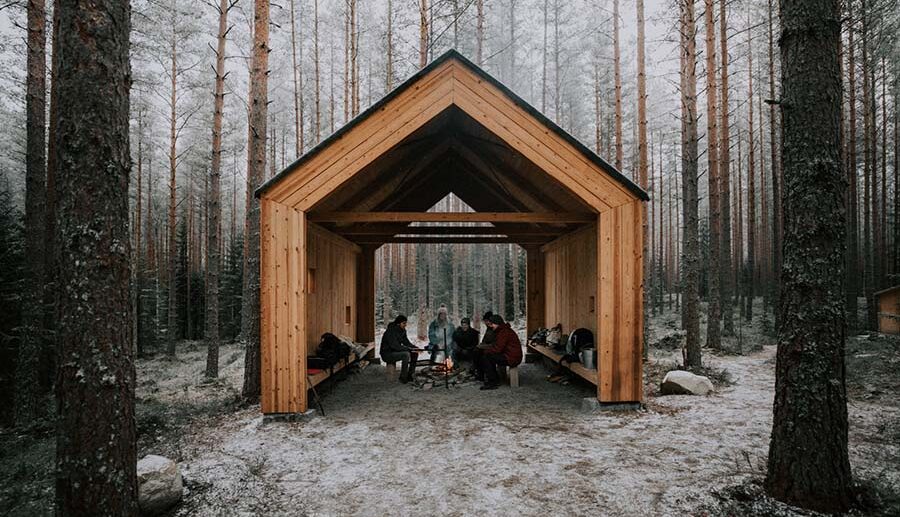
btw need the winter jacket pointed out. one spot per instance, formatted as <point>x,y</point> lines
<point>436,334</point>
<point>395,340</point>
<point>489,338</point>
<point>508,344</point>
<point>466,339</point>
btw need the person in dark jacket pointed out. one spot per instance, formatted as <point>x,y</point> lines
<point>487,341</point>
<point>507,351</point>
<point>466,340</point>
<point>395,346</point>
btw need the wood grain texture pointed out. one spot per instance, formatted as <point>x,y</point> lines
<point>570,297</point>
<point>620,314</point>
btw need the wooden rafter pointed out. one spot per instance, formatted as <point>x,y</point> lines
<point>385,229</point>
<point>519,239</point>
<point>452,217</point>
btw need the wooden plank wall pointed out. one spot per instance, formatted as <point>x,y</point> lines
<point>534,288</point>
<point>365,295</point>
<point>334,261</point>
<point>282,304</point>
<point>620,315</point>
<point>570,295</point>
<point>889,312</point>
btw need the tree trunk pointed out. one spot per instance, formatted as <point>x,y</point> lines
<point>172,249</point>
<point>543,58</point>
<point>776,177</point>
<point>28,386</point>
<point>256,152</point>
<point>618,79</point>
<point>298,89</point>
<point>479,32</point>
<point>872,311</point>
<point>852,281</point>
<point>138,272</point>
<point>95,445</point>
<point>389,58</point>
<point>642,150</point>
<point>725,262</point>
<point>214,208</point>
<point>750,269</point>
<point>808,462</point>
<point>317,72</point>
<point>713,331</point>
<point>689,159</point>
<point>423,33</point>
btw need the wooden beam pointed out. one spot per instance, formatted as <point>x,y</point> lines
<point>451,217</point>
<point>450,239</point>
<point>535,314</point>
<point>365,295</point>
<point>397,229</point>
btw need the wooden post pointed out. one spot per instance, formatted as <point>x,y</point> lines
<point>620,307</point>
<point>534,283</point>
<point>365,295</point>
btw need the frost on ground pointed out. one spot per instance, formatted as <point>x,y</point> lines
<point>384,448</point>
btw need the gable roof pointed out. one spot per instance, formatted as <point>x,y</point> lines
<point>413,82</point>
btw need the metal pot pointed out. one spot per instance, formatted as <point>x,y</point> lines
<point>587,358</point>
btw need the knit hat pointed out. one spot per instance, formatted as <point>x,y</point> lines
<point>496,319</point>
<point>465,321</point>
<point>400,319</point>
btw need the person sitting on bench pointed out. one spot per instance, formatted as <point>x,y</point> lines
<point>507,351</point>
<point>466,339</point>
<point>487,341</point>
<point>395,346</point>
<point>440,335</point>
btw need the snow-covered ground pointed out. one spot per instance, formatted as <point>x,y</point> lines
<point>384,448</point>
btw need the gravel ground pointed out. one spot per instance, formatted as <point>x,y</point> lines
<point>384,448</point>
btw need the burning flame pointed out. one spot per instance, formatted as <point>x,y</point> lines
<point>448,363</point>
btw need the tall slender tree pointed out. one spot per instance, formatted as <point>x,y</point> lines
<point>256,152</point>
<point>775,171</point>
<point>852,281</point>
<point>725,263</point>
<point>213,199</point>
<point>689,160</point>
<point>642,155</point>
<point>713,331</point>
<point>618,85</point>
<point>808,462</point>
<point>95,446</point>
<point>27,398</point>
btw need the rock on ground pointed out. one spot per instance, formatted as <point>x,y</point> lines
<point>680,382</point>
<point>159,484</point>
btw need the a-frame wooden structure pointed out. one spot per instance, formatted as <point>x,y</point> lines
<point>449,128</point>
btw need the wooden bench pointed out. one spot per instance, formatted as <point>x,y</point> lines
<point>577,368</point>
<point>319,377</point>
<point>512,374</point>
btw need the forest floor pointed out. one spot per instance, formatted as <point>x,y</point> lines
<point>385,448</point>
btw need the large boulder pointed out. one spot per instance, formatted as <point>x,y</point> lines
<point>159,484</point>
<point>680,382</point>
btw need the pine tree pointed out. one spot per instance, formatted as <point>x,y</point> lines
<point>810,392</point>
<point>256,158</point>
<point>689,159</point>
<point>95,446</point>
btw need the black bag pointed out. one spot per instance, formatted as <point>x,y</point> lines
<point>331,350</point>
<point>579,340</point>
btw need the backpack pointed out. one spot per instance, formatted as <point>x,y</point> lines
<point>331,349</point>
<point>579,340</point>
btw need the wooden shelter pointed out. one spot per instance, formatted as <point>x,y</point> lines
<point>451,128</point>
<point>888,303</point>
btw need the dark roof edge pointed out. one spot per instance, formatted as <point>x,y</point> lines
<point>883,291</point>
<point>446,56</point>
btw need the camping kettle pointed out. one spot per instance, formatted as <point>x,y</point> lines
<point>587,358</point>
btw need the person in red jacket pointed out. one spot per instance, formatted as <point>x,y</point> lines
<point>507,351</point>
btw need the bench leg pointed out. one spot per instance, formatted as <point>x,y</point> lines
<point>513,376</point>
<point>391,370</point>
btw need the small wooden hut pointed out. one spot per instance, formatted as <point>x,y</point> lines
<point>451,128</point>
<point>888,303</point>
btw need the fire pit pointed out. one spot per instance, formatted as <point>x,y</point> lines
<point>445,369</point>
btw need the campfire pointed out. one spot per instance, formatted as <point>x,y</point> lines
<point>446,367</point>
<point>443,374</point>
